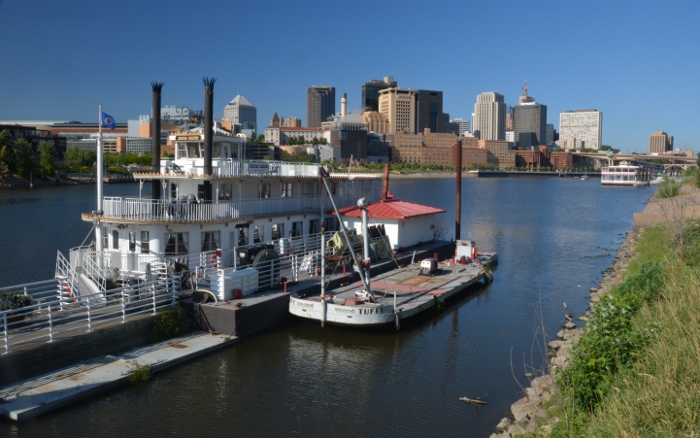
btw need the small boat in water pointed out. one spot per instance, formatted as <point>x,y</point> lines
<point>584,177</point>
<point>393,296</point>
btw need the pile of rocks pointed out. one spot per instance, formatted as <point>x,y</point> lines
<point>528,413</point>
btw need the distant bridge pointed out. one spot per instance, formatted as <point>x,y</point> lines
<point>656,162</point>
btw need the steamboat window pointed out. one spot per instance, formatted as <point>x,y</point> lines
<point>177,243</point>
<point>182,150</point>
<point>132,241</point>
<point>277,231</point>
<point>194,150</point>
<point>331,224</point>
<point>225,192</point>
<point>265,190</point>
<point>211,240</point>
<point>314,226</point>
<point>115,239</point>
<point>258,234</point>
<point>144,242</point>
<point>287,190</point>
<point>297,228</point>
<point>243,236</point>
<point>309,188</point>
<point>105,238</point>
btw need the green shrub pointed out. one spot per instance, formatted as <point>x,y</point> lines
<point>611,340</point>
<point>669,188</point>
<point>690,244</point>
<point>139,373</point>
<point>9,300</point>
<point>172,322</point>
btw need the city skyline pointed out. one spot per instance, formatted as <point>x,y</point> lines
<point>79,55</point>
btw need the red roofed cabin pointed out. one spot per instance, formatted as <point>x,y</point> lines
<point>406,223</point>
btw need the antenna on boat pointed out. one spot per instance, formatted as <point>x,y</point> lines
<point>363,275</point>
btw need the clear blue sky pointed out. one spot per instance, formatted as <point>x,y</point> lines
<point>636,61</point>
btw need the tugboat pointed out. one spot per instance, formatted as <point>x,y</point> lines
<point>389,298</point>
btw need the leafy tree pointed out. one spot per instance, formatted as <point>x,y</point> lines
<point>261,138</point>
<point>77,157</point>
<point>25,158</point>
<point>7,157</point>
<point>47,159</point>
<point>4,168</point>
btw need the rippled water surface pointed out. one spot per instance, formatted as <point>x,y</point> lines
<point>301,380</point>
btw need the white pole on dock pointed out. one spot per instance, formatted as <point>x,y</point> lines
<point>323,274</point>
<point>98,228</point>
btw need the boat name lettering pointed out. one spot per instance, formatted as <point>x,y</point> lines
<point>303,304</point>
<point>187,137</point>
<point>344,310</point>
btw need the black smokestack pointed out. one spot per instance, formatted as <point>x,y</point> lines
<point>155,136</point>
<point>208,132</point>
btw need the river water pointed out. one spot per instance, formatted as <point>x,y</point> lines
<point>554,238</point>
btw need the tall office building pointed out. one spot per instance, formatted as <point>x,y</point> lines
<point>549,138</point>
<point>429,111</point>
<point>530,125</point>
<point>399,107</point>
<point>240,111</point>
<point>584,127</point>
<point>489,117</point>
<point>320,105</point>
<point>529,122</point>
<point>660,142</point>
<point>370,92</point>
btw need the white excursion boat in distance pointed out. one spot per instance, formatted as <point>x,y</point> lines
<point>625,175</point>
<point>390,297</point>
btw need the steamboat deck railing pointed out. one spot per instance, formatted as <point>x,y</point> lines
<point>173,210</point>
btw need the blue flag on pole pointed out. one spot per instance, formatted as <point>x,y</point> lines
<point>108,121</point>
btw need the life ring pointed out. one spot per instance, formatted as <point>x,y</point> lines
<point>237,294</point>
<point>66,287</point>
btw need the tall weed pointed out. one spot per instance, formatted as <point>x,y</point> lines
<point>611,341</point>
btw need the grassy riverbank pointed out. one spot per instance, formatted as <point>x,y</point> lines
<point>636,371</point>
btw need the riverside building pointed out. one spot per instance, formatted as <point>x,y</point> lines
<point>581,129</point>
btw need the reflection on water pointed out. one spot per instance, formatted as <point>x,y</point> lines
<point>301,380</point>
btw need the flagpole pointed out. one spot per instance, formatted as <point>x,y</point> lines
<point>98,228</point>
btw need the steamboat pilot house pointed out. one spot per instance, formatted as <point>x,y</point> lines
<point>241,207</point>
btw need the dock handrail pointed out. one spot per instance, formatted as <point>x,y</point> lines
<point>50,317</point>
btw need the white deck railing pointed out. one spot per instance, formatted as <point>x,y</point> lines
<point>50,317</point>
<point>172,211</point>
<point>233,168</point>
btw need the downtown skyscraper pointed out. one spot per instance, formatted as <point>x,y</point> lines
<point>489,117</point>
<point>320,104</point>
